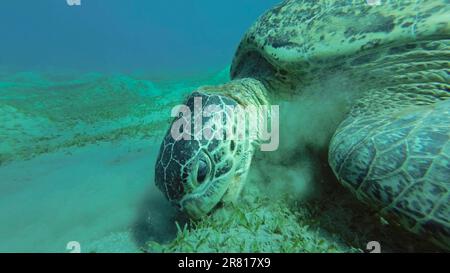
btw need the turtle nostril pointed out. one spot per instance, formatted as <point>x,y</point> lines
<point>232,145</point>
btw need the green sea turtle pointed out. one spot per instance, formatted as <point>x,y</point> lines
<point>391,150</point>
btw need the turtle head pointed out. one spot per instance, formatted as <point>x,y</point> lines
<point>200,164</point>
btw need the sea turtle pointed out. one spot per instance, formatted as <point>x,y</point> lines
<point>392,148</point>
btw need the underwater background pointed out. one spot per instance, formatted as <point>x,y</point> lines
<point>85,98</point>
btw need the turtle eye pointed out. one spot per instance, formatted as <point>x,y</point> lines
<point>202,171</point>
<point>204,167</point>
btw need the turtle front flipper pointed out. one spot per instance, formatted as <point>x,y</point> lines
<point>399,163</point>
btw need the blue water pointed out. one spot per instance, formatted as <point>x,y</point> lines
<point>157,37</point>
